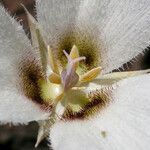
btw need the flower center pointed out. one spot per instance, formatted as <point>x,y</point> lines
<point>60,85</point>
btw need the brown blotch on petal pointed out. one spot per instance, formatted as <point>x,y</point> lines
<point>29,74</point>
<point>99,100</point>
<point>86,45</point>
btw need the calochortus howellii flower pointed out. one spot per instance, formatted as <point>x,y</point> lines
<point>63,78</point>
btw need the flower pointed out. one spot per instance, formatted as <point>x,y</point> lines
<point>63,79</point>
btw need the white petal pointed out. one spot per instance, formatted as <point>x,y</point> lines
<point>59,21</point>
<point>16,108</point>
<point>15,48</point>
<point>56,17</point>
<point>122,27</point>
<point>124,124</point>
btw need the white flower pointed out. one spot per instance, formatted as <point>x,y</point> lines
<point>82,105</point>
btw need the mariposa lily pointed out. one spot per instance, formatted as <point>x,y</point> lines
<point>63,78</point>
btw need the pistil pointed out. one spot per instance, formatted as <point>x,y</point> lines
<point>69,76</point>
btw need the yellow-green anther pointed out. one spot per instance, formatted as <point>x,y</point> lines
<point>75,54</point>
<point>90,75</point>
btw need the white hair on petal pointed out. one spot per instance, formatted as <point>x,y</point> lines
<point>120,27</point>
<point>123,28</point>
<point>125,122</point>
<point>56,17</point>
<point>14,49</point>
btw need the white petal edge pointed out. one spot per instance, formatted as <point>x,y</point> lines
<point>125,122</point>
<point>123,27</point>
<point>14,46</point>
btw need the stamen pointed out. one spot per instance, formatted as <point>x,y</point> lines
<point>90,75</point>
<point>74,52</point>
<point>55,78</point>
<point>116,76</point>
